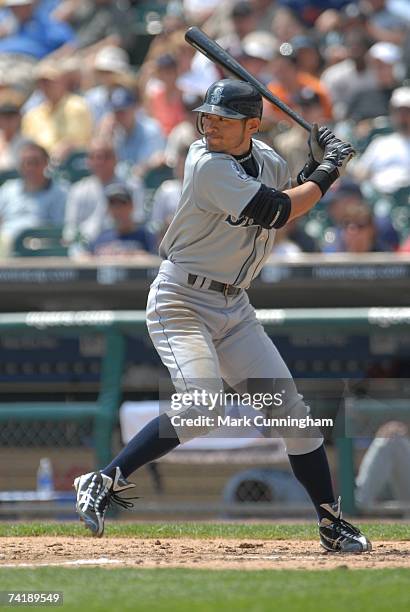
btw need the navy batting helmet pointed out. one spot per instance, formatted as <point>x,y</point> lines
<point>232,99</point>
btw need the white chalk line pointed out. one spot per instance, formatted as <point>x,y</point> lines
<point>100,561</point>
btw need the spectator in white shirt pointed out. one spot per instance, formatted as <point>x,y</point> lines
<point>386,161</point>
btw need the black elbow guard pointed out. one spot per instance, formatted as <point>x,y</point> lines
<point>268,208</point>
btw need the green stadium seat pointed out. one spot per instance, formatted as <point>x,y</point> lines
<point>74,168</point>
<point>40,242</point>
<point>6,175</point>
<point>154,177</point>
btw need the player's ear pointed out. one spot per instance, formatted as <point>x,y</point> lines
<point>253,125</point>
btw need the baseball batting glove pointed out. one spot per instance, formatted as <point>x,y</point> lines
<point>318,139</point>
<point>335,159</point>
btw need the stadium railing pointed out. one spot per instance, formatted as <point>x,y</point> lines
<point>115,324</point>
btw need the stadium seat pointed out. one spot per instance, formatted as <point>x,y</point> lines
<point>74,168</point>
<point>40,242</point>
<point>154,177</point>
<point>6,175</point>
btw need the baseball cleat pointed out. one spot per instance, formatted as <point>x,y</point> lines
<point>95,493</point>
<point>337,535</point>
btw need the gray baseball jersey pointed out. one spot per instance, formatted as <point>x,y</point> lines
<point>208,236</point>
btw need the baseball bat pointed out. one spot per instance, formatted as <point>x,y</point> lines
<point>201,41</point>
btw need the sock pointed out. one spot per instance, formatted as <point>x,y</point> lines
<point>312,471</point>
<point>157,438</point>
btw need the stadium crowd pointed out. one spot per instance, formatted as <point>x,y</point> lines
<point>96,100</point>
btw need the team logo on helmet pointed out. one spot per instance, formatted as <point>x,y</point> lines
<point>216,96</point>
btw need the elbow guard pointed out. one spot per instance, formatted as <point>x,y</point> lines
<point>268,208</point>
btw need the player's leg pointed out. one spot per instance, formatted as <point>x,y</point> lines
<point>247,353</point>
<point>185,347</point>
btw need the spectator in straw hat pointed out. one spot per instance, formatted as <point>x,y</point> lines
<point>111,68</point>
<point>62,122</point>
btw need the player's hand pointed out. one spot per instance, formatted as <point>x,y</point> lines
<point>336,156</point>
<point>318,139</point>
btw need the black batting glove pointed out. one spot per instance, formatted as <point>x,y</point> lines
<point>318,139</point>
<point>336,156</point>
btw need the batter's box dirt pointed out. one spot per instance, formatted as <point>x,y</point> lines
<point>186,552</point>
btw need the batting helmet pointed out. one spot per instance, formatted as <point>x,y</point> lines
<point>232,99</point>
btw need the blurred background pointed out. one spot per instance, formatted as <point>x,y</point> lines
<point>96,100</point>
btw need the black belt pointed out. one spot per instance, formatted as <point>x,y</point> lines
<point>214,285</point>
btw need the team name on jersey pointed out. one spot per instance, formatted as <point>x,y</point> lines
<point>240,221</point>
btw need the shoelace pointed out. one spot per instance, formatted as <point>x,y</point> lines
<point>348,526</point>
<point>114,498</point>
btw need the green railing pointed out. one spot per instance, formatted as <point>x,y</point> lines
<point>115,324</point>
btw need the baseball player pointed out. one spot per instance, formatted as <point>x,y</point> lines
<point>236,192</point>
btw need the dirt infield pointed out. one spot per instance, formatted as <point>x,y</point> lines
<point>196,553</point>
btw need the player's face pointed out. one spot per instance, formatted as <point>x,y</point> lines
<point>228,135</point>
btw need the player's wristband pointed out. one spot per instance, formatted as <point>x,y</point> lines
<point>306,171</point>
<point>324,176</point>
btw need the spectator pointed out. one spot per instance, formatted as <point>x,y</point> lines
<point>346,193</point>
<point>62,122</point>
<point>86,211</point>
<point>137,138</point>
<point>289,80</point>
<point>258,50</point>
<point>33,33</point>
<point>230,24</point>
<point>95,21</point>
<point>34,200</point>
<point>307,55</point>
<point>372,100</point>
<point>243,22</point>
<point>111,69</point>
<point>292,144</point>
<point>10,128</point>
<point>383,472</point>
<point>386,161</point>
<point>167,197</point>
<point>126,237</point>
<point>163,98</point>
<point>183,134</point>
<point>344,79</point>
<point>383,24</point>
<point>357,232</point>
<point>197,11</point>
<point>286,24</point>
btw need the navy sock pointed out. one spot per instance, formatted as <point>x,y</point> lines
<point>157,438</point>
<point>312,471</point>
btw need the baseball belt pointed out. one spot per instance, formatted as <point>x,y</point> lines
<point>206,283</point>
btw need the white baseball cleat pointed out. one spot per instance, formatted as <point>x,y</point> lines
<point>95,493</point>
<point>337,535</point>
